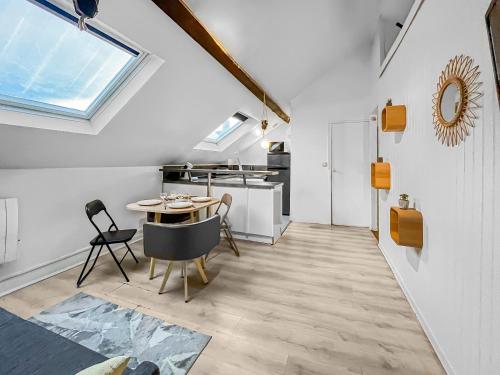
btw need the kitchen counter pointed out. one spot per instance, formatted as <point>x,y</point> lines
<point>228,182</point>
<point>256,210</point>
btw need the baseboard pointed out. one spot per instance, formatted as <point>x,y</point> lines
<point>22,279</point>
<point>420,317</point>
<point>253,237</point>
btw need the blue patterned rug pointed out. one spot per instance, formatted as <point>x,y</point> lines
<point>112,331</point>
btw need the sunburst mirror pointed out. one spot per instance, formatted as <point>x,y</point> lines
<point>456,100</point>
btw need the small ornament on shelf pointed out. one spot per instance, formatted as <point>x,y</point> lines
<point>404,203</point>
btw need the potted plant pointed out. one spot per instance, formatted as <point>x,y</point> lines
<point>404,203</point>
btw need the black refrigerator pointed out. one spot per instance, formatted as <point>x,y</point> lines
<point>280,162</point>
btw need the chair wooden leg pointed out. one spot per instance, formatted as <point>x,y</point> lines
<point>186,296</point>
<point>234,246</point>
<point>165,277</point>
<point>201,271</point>
<point>152,269</point>
<point>230,239</point>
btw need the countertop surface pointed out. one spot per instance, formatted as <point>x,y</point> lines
<point>222,182</point>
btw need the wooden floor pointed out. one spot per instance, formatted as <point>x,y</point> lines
<point>321,301</point>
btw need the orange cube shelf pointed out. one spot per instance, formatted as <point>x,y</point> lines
<point>407,227</point>
<point>394,118</point>
<point>381,176</point>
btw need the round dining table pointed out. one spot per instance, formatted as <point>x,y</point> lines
<point>161,208</point>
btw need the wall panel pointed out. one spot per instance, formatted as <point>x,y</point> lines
<point>453,282</point>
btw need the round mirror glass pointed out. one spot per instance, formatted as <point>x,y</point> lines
<point>450,102</point>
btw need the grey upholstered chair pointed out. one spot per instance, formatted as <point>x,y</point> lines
<point>225,204</point>
<point>182,243</point>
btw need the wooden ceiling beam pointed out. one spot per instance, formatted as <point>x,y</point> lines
<point>182,15</point>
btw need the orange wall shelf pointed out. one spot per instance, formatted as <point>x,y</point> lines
<point>394,118</point>
<point>407,227</point>
<point>381,176</point>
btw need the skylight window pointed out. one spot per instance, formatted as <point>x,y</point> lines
<point>229,126</point>
<point>48,64</point>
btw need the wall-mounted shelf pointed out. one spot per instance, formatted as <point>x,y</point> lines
<point>381,175</point>
<point>394,118</point>
<point>407,227</point>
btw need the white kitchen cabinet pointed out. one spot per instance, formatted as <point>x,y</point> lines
<point>255,212</point>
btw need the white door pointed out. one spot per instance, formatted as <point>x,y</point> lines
<point>350,153</point>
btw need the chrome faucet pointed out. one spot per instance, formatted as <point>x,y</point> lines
<point>241,168</point>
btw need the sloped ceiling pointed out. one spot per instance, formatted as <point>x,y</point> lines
<point>284,44</point>
<point>287,44</point>
<point>392,11</point>
<point>395,10</point>
<point>188,97</point>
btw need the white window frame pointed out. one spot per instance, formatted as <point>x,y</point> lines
<point>231,131</point>
<point>231,138</point>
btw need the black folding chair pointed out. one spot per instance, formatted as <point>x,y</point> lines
<point>105,239</point>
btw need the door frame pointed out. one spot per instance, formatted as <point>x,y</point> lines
<point>331,124</point>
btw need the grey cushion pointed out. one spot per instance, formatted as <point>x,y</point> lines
<point>26,348</point>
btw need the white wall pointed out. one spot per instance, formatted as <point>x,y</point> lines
<point>454,282</point>
<point>53,228</point>
<point>347,92</point>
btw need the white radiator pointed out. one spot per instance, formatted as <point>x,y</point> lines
<point>8,230</point>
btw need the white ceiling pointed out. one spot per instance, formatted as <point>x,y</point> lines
<point>395,10</point>
<point>287,44</point>
<point>391,12</point>
<point>284,44</point>
<point>187,98</point>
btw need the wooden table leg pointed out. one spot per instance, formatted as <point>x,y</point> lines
<point>193,217</point>
<point>186,296</point>
<point>153,260</point>
<point>200,270</point>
